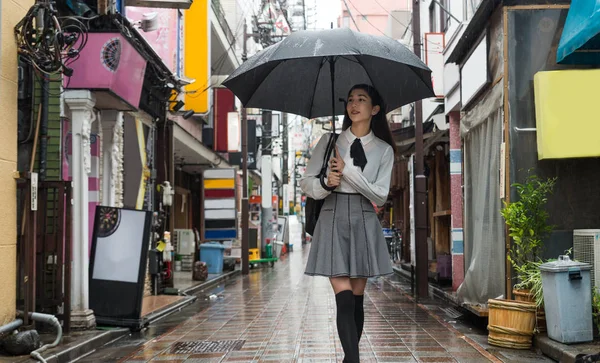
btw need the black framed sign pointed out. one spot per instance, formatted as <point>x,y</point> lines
<point>118,265</point>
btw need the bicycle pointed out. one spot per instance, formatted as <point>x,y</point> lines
<point>393,238</point>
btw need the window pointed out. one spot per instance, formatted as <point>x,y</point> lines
<point>444,16</point>
<point>432,19</point>
<point>346,22</point>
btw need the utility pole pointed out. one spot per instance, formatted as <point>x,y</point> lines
<point>304,13</point>
<point>420,180</point>
<point>245,214</point>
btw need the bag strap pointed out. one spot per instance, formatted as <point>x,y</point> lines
<point>330,146</point>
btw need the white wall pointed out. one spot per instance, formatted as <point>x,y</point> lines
<point>462,9</point>
<point>234,14</point>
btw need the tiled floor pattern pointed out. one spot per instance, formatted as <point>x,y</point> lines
<point>285,316</point>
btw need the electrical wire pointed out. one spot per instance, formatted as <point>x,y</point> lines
<point>223,57</point>
<point>220,62</point>
<point>393,17</point>
<point>351,16</point>
<point>47,43</point>
<point>385,35</point>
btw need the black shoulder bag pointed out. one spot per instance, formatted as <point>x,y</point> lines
<point>312,209</point>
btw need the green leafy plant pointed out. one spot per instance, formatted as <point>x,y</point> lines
<point>531,279</point>
<point>527,222</point>
<point>596,306</point>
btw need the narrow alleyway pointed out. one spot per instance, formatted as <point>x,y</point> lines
<point>280,315</point>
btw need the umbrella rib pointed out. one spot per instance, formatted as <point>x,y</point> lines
<point>366,71</point>
<point>412,68</point>
<point>265,77</point>
<point>409,67</point>
<point>312,100</point>
<point>349,59</point>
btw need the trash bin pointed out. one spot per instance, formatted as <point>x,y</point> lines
<point>278,248</point>
<point>568,300</point>
<point>212,254</point>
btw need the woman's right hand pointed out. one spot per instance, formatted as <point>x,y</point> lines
<point>333,179</point>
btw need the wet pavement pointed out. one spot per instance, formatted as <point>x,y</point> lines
<point>280,315</point>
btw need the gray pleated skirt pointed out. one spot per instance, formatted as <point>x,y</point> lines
<point>348,240</point>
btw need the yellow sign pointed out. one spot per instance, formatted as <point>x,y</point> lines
<point>197,56</point>
<point>566,114</point>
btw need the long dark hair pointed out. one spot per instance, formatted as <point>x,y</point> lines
<point>379,124</point>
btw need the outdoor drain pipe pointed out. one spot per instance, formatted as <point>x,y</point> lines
<point>45,318</point>
<point>8,328</point>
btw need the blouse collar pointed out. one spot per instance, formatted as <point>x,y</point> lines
<point>364,140</point>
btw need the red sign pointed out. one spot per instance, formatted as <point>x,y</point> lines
<point>224,103</point>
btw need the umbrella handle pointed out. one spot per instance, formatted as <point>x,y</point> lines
<point>324,185</point>
<point>330,148</point>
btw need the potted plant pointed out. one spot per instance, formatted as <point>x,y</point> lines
<point>532,279</point>
<point>527,222</point>
<point>512,323</point>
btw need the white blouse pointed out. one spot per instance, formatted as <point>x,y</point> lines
<point>373,182</point>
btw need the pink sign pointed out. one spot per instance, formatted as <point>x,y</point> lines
<point>109,62</point>
<point>164,39</point>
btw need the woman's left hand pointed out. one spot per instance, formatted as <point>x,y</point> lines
<point>337,163</point>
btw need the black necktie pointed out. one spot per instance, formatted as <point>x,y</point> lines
<point>357,153</point>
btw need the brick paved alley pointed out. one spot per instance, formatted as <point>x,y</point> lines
<point>281,315</point>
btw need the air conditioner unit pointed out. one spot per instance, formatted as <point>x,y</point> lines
<point>586,248</point>
<point>185,241</point>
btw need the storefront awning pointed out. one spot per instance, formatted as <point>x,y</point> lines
<point>580,39</point>
<point>193,155</point>
<point>405,137</point>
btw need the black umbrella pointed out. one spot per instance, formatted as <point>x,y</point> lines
<point>307,71</point>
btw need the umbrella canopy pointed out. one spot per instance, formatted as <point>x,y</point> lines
<point>295,75</point>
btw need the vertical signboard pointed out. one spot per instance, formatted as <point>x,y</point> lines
<point>233,132</point>
<point>434,58</point>
<point>286,199</point>
<point>197,56</point>
<point>223,104</point>
<point>267,188</point>
<point>34,191</point>
<point>220,216</point>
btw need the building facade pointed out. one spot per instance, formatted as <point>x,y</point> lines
<point>11,12</point>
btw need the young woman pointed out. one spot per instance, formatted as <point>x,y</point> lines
<point>348,245</point>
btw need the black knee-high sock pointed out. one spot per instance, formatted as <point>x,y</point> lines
<point>346,325</point>
<point>359,314</point>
